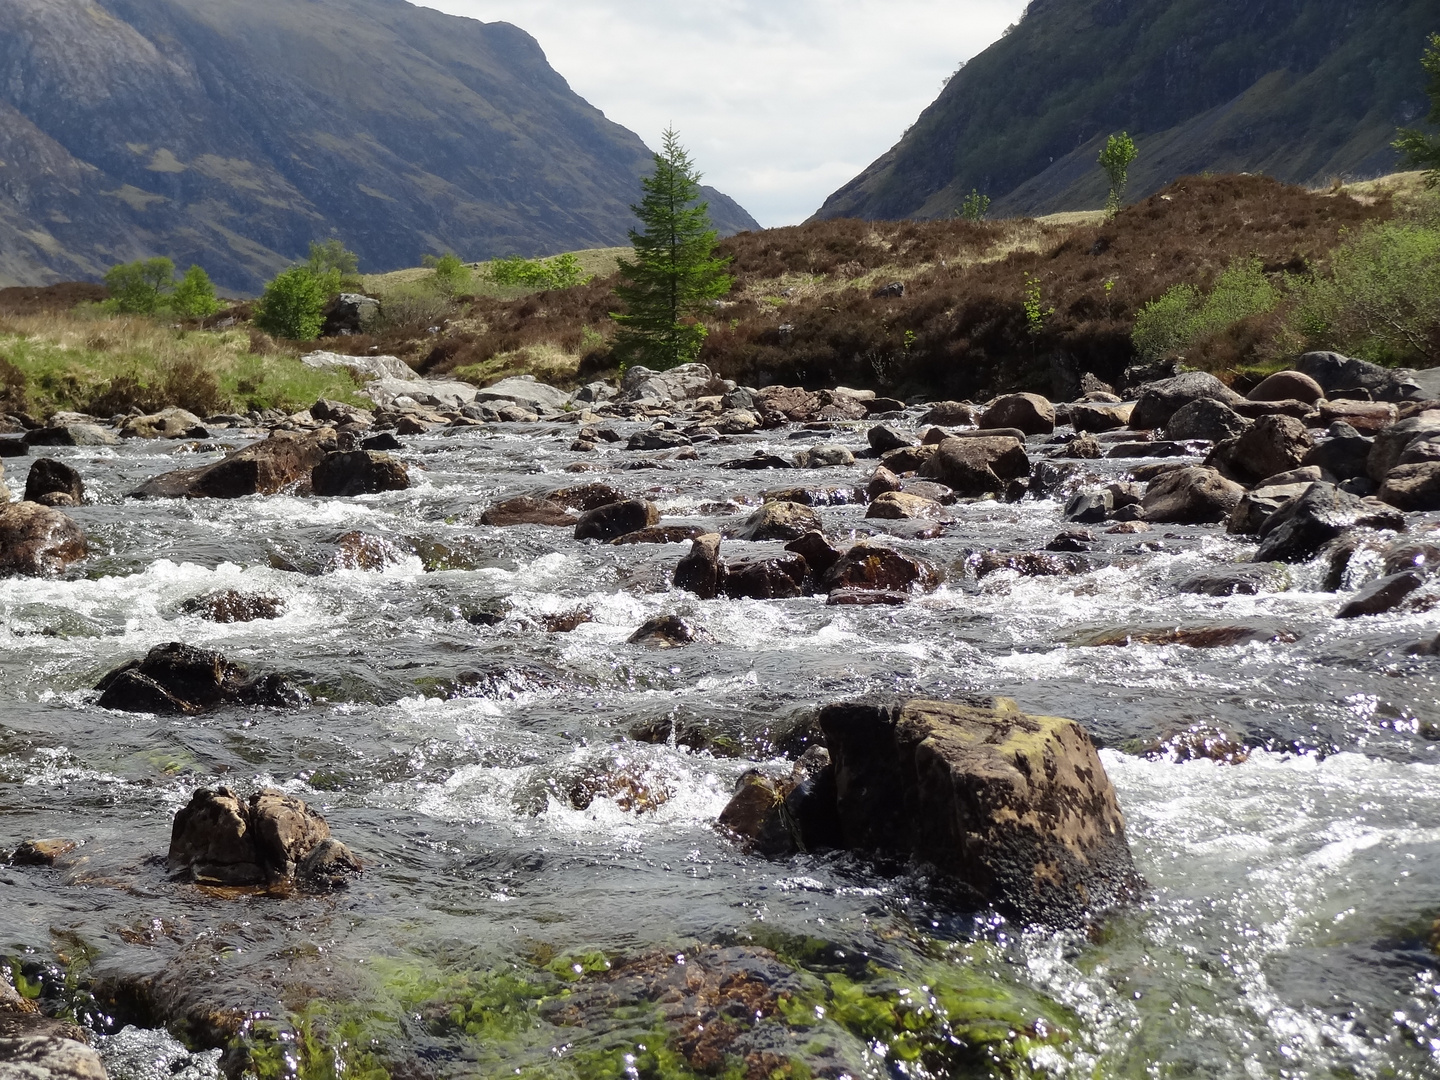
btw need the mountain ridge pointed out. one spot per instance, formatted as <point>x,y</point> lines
<point>1302,90</point>
<point>231,133</point>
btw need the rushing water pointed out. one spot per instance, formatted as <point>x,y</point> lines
<point>1293,894</point>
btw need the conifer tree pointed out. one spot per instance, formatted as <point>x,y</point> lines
<point>1418,148</point>
<point>675,274</point>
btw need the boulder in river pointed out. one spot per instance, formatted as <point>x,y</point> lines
<point>1273,444</point>
<point>38,540</point>
<point>668,632</point>
<point>977,466</point>
<point>764,577</point>
<point>1307,522</point>
<point>71,433</point>
<point>1392,441</point>
<point>699,571</point>
<point>873,566</point>
<point>172,423</point>
<point>902,506</point>
<point>779,520</point>
<point>1288,386</point>
<point>885,437</point>
<point>1413,487</point>
<point>1031,413</point>
<point>613,520</point>
<point>1381,596</point>
<point>525,391</point>
<point>262,468</point>
<point>54,483</point>
<point>218,840</point>
<point>179,679</point>
<point>1191,496</point>
<point>1099,417</point>
<point>1343,456</point>
<point>528,510</point>
<point>1161,400</point>
<point>358,472</point>
<point>950,414</point>
<point>824,457</point>
<point>233,606</point>
<point>1206,418</point>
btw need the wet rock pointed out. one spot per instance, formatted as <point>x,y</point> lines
<point>699,571</point>
<point>780,521</point>
<point>762,577</point>
<point>232,606</point>
<point>657,439</point>
<point>1084,448</point>
<point>660,534</point>
<point>49,477</point>
<point>1031,413</point>
<point>528,510</point>
<point>1254,410</point>
<point>1199,742</point>
<point>779,816</point>
<point>616,519</point>
<point>759,460</point>
<point>35,1047</point>
<point>263,468</point>
<point>1089,507</point>
<point>1161,400</point>
<point>900,506</point>
<point>1344,458</point>
<point>867,598</point>
<point>1191,496</point>
<point>1010,810</point>
<point>883,406</point>
<point>814,496</point>
<point>358,472</point>
<point>824,457</point>
<point>37,540</point>
<point>875,567</point>
<point>356,550</point>
<point>1248,580</point>
<point>383,441</point>
<point>883,437</point>
<point>978,466</point>
<point>1030,563</point>
<point>950,414</point>
<point>330,865</point>
<point>1256,507</point>
<point>1305,524</point>
<point>882,481</point>
<point>819,556</point>
<point>167,424</point>
<point>1287,386</point>
<point>668,632</point>
<point>1407,555</point>
<point>737,422</point>
<point>1076,540</point>
<point>70,434</point>
<point>1381,596</point>
<point>907,459</point>
<point>42,852</point>
<point>1193,637</point>
<point>1364,417</point>
<point>1413,487</point>
<point>177,679</point>
<point>1094,417</point>
<point>1206,418</point>
<point>218,840</point>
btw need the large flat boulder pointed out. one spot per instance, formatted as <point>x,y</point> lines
<point>374,367</point>
<point>1337,374</point>
<point>525,390</point>
<point>683,383</point>
<point>262,468</point>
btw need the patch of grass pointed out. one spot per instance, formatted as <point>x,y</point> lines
<point>88,362</point>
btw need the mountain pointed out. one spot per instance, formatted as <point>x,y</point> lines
<point>231,133</point>
<point>1301,90</point>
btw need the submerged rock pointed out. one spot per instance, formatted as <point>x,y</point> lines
<point>37,540</point>
<point>528,510</point>
<point>1381,596</point>
<point>668,632</point>
<point>232,606</point>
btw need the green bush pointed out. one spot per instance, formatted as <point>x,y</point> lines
<point>335,266</point>
<point>293,305</point>
<point>194,296</point>
<point>452,277</point>
<point>559,272</point>
<point>1379,298</point>
<point>139,288</point>
<point>1182,316</point>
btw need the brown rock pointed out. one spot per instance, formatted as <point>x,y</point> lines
<point>780,521</point>
<point>49,477</point>
<point>1381,596</point>
<point>699,572</point>
<point>1366,417</point>
<point>1288,386</point>
<point>357,550</point>
<point>668,632</point>
<point>759,577</point>
<point>980,466</point>
<point>358,472</point>
<point>908,459</point>
<point>899,506</point>
<point>217,839</point>
<point>872,566</point>
<point>1191,496</point>
<point>607,522</point>
<point>882,481</point>
<point>1031,413</point>
<point>42,852</point>
<point>1273,444</point>
<point>951,414</point>
<point>1099,418</point>
<point>660,534</point>
<point>263,468</point>
<point>1010,810</point>
<point>1413,487</point>
<point>867,598</point>
<point>584,497</point>
<point>1031,563</point>
<point>169,423</point>
<point>528,510</point>
<point>37,540</point>
<point>819,556</point>
<point>793,402</point>
<point>232,606</point>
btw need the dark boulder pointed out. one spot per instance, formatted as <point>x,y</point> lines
<point>1236,580</point>
<point>1206,418</point>
<point>49,477</point>
<point>657,439</point>
<point>71,434</point>
<point>903,506</point>
<point>233,606</point>
<point>875,567</point>
<point>824,457</point>
<point>1306,523</point>
<point>38,540</point>
<point>699,571</point>
<point>358,472</point>
<point>1161,400</point>
<point>1273,444</point>
<point>1337,373</point>
<point>883,437</point>
<point>764,577</point>
<point>1343,457</point>
<point>264,468</point>
<point>616,519</point>
<point>1413,487</point>
<point>950,414</point>
<point>668,632</point>
<point>1391,443</point>
<point>660,534</point>
<point>819,556</point>
<point>177,679</point>
<point>1099,417</point>
<point>1191,496</point>
<point>977,466</point>
<point>1010,810</point>
<point>1381,596</point>
<point>779,816</point>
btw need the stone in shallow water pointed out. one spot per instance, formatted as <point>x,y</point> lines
<point>37,540</point>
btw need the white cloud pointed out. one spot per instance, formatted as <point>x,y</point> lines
<point>779,103</point>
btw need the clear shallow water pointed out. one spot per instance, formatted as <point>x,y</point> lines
<point>1293,893</point>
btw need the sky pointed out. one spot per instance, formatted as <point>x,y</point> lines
<point>780,102</point>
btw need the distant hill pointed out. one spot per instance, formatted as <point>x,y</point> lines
<point>1301,90</point>
<point>231,133</point>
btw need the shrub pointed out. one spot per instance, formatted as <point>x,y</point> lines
<point>452,277</point>
<point>194,296</point>
<point>1379,298</point>
<point>293,305</point>
<point>139,288</point>
<point>334,265</point>
<point>975,206</point>
<point>1117,157</point>
<point>414,308</point>
<point>559,272</point>
<point>1181,316</point>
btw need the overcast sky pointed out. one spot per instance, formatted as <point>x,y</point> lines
<point>780,102</point>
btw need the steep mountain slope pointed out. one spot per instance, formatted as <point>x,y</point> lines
<point>233,132</point>
<point>1302,90</point>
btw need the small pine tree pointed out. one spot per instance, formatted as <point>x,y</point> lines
<point>1418,149</point>
<point>1117,157</point>
<point>675,274</point>
<point>139,288</point>
<point>293,305</point>
<point>194,296</point>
